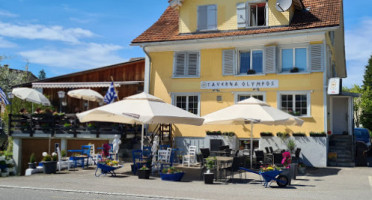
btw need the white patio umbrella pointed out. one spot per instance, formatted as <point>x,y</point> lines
<point>142,109</point>
<point>251,111</point>
<point>31,95</point>
<point>86,94</point>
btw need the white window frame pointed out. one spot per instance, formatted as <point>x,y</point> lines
<point>186,67</point>
<point>197,18</point>
<point>174,95</point>
<point>237,94</point>
<point>308,96</point>
<point>251,61</point>
<point>294,57</point>
<point>248,7</point>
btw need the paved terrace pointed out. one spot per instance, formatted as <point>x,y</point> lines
<point>326,183</point>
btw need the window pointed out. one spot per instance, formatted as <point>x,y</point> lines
<point>257,14</point>
<point>251,61</point>
<point>186,64</point>
<point>189,102</point>
<point>240,96</point>
<point>297,104</point>
<point>251,14</point>
<point>207,17</point>
<point>294,57</point>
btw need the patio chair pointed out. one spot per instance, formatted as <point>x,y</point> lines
<point>190,157</point>
<point>235,167</point>
<point>205,152</point>
<point>85,150</point>
<point>260,158</point>
<point>296,158</point>
<point>61,162</point>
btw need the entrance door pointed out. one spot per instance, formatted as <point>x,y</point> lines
<point>340,115</point>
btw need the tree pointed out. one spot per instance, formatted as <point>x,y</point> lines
<point>366,104</point>
<point>42,75</point>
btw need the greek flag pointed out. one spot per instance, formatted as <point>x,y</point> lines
<point>3,97</point>
<point>110,95</point>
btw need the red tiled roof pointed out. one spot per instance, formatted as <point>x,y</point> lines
<point>322,13</point>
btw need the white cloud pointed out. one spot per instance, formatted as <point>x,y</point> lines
<point>5,13</point>
<point>36,31</point>
<point>358,50</point>
<point>6,44</point>
<point>84,56</point>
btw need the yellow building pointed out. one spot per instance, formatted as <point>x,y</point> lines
<point>205,55</point>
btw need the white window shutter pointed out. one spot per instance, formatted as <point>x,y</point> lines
<point>316,57</point>
<point>202,17</point>
<point>212,17</point>
<point>270,59</point>
<point>241,13</point>
<point>228,60</point>
<point>180,64</point>
<point>193,64</point>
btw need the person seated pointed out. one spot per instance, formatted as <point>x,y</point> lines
<point>23,111</point>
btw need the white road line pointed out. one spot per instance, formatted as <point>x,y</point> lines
<point>370,181</point>
<point>99,193</point>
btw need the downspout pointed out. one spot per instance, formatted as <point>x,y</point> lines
<point>147,74</point>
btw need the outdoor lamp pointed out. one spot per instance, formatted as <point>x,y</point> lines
<point>61,95</point>
<point>10,96</point>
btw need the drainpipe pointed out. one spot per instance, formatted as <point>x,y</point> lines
<point>147,71</point>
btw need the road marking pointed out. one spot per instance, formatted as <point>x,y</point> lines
<point>99,193</point>
<point>370,181</point>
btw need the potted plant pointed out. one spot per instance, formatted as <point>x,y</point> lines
<point>50,163</point>
<point>299,134</point>
<point>144,172</point>
<point>32,163</point>
<point>266,134</point>
<point>171,174</point>
<point>64,154</point>
<point>11,168</point>
<point>208,175</point>
<point>251,71</point>
<point>2,156</point>
<point>291,145</point>
<point>286,162</point>
<point>322,134</point>
<point>301,168</point>
<point>294,70</point>
<point>3,168</point>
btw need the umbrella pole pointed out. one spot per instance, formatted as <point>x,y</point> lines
<point>142,135</point>
<point>251,143</point>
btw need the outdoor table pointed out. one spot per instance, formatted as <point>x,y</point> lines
<point>218,153</point>
<point>222,163</point>
<point>76,158</point>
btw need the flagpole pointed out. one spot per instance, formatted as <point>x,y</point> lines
<point>117,93</point>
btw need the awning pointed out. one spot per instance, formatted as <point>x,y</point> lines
<point>82,84</point>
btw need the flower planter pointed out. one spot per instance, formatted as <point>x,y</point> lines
<point>172,177</point>
<point>50,167</point>
<point>287,172</point>
<point>293,170</point>
<point>144,174</point>
<point>208,178</point>
<point>301,170</point>
<point>4,174</point>
<point>32,165</point>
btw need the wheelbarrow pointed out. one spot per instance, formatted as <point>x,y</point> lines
<point>269,176</point>
<point>105,169</point>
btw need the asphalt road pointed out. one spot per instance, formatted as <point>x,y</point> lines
<point>35,194</point>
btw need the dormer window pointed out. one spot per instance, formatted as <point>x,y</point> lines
<point>252,14</point>
<point>207,17</point>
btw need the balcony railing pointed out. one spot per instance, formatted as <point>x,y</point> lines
<point>63,124</point>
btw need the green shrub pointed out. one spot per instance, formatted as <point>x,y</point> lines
<point>32,158</point>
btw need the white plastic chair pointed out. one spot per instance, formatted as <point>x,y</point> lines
<point>63,162</point>
<point>190,157</point>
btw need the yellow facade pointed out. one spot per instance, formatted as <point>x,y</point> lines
<point>163,85</point>
<point>226,14</point>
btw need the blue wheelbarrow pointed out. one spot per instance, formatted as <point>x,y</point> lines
<point>269,176</point>
<point>105,169</point>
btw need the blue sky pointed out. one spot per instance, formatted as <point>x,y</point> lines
<point>73,35</point>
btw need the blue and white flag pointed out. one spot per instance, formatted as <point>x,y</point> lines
<point>111,94</point>
<point>3,97</point>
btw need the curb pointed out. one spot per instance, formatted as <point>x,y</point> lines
<point>99,193</point>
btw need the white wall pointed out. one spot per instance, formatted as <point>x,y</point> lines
<point>313,149</point>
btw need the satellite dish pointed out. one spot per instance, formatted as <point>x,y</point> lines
<point>283,5</point>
